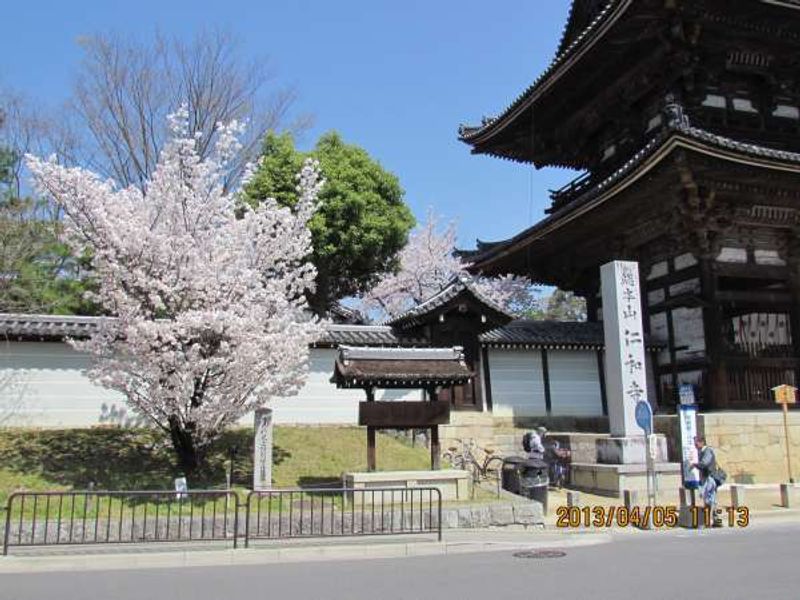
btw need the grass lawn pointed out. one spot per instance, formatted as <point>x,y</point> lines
<point>129,459</point>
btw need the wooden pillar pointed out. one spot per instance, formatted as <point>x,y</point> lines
<point>717,380</point>
<point>372,463</point>
<point>548,400</point>
<point>436,450</point>
<point>793,262</point>
<point>487,378</point>
<point>592,306</point>
<point>601,371</point>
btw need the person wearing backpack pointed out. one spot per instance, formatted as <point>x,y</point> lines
<point>711,477</point>
<point>532,443</point>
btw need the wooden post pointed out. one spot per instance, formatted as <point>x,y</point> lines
<point>548,400</point>
<point>372,463</point>
<point>788,441</point>
<point>436,454</point>
<point>717,394</point>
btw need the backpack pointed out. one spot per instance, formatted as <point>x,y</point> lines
<point>526,441</point>
<point>719,476</point>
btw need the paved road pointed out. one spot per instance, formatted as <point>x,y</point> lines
<point>725,564</point>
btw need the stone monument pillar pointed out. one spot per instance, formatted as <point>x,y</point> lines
<point>262,450</point>
<point>625,364</point>
<point>624,340</point>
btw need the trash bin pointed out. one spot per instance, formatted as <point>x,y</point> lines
<point>511,473</point>
<point>534,481</point>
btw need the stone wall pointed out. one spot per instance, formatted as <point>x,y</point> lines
<point>750,446</point>
<point>504,434</point>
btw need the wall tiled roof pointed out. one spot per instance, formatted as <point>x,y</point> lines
<point>550,334</point>
<point>397,367</point>
<point>457,285</point>
<point>60,327</point>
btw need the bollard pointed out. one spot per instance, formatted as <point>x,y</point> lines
<point>737,496</point>
<point>684,497</point>
<point>630,498</point>
<point>686,501</point>
<point>787,495</point>
<point>573,499</point>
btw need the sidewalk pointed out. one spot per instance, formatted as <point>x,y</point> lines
<point>763,506</point>
<point>763,503</point>
<point>148,557</point>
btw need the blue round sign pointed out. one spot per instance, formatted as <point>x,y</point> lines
<point>644,416</point>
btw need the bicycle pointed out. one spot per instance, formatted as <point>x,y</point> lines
<point>558,460</point>
<point>464,458</point>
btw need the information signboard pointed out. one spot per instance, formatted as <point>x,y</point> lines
<point>785,394</point>
<point>688,421</point>
<point>686,394</point>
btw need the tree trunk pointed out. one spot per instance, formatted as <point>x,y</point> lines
<point>189,456</point>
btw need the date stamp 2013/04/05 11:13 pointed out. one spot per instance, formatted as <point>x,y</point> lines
<point>648,516</point>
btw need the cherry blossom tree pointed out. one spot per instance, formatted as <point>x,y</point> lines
<point>208,294</point>
<point>428,264</point>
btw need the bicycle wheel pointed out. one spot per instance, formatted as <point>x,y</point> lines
<point>493,464</point>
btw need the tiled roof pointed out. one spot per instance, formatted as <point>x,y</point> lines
<point>46,327</point>
<point>58,327</point>
<point>365,335</point>
<point>678,128</point>
<point>467,133</point>
<point>357,367</point>
<point>457,285</point>
<point>345,315</point>
<point>567,48</point>
<point>550,334</point>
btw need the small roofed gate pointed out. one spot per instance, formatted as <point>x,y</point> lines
<point>455,317</point>
<point>431,370</point>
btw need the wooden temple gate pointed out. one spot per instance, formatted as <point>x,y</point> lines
<point>430,370</point>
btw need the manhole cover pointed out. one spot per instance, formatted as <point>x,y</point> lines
<point>540,554</point>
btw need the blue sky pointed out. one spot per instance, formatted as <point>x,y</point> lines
<point>394,77</point>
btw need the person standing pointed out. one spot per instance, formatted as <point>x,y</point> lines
<point>707,465</point>
<point>532,443</point>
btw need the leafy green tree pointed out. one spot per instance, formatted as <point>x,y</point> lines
<point>38,274</point>
<point>362,221</point>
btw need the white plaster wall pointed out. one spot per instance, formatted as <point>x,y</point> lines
<point>517,382</point>
<point>49,389</point>
<point>320,402</point>
<point>574,383</point>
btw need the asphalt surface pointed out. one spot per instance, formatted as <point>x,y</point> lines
<point>760,562</point>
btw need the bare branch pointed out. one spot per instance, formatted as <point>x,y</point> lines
<point>126,89</point>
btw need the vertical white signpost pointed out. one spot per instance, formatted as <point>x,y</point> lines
<point>626,382</point>
<point>262,448</point>
<point>687,411</point>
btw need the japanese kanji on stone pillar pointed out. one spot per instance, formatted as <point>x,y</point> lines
<point>626,371</point>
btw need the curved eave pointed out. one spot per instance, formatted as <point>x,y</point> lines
<point>564,61</point>
<point>560,65</point>
<point>524,160</point>
<point>640,165</point>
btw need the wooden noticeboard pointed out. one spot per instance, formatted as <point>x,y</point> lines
<point>403,415</point>
<point>785,394</point>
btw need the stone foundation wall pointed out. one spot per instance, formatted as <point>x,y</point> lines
<point>504,434</point>
<point>750,446</point>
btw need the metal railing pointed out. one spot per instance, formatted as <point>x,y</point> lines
<point>303,513</point>
<point>141,517</point>
<point>104,517</point>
